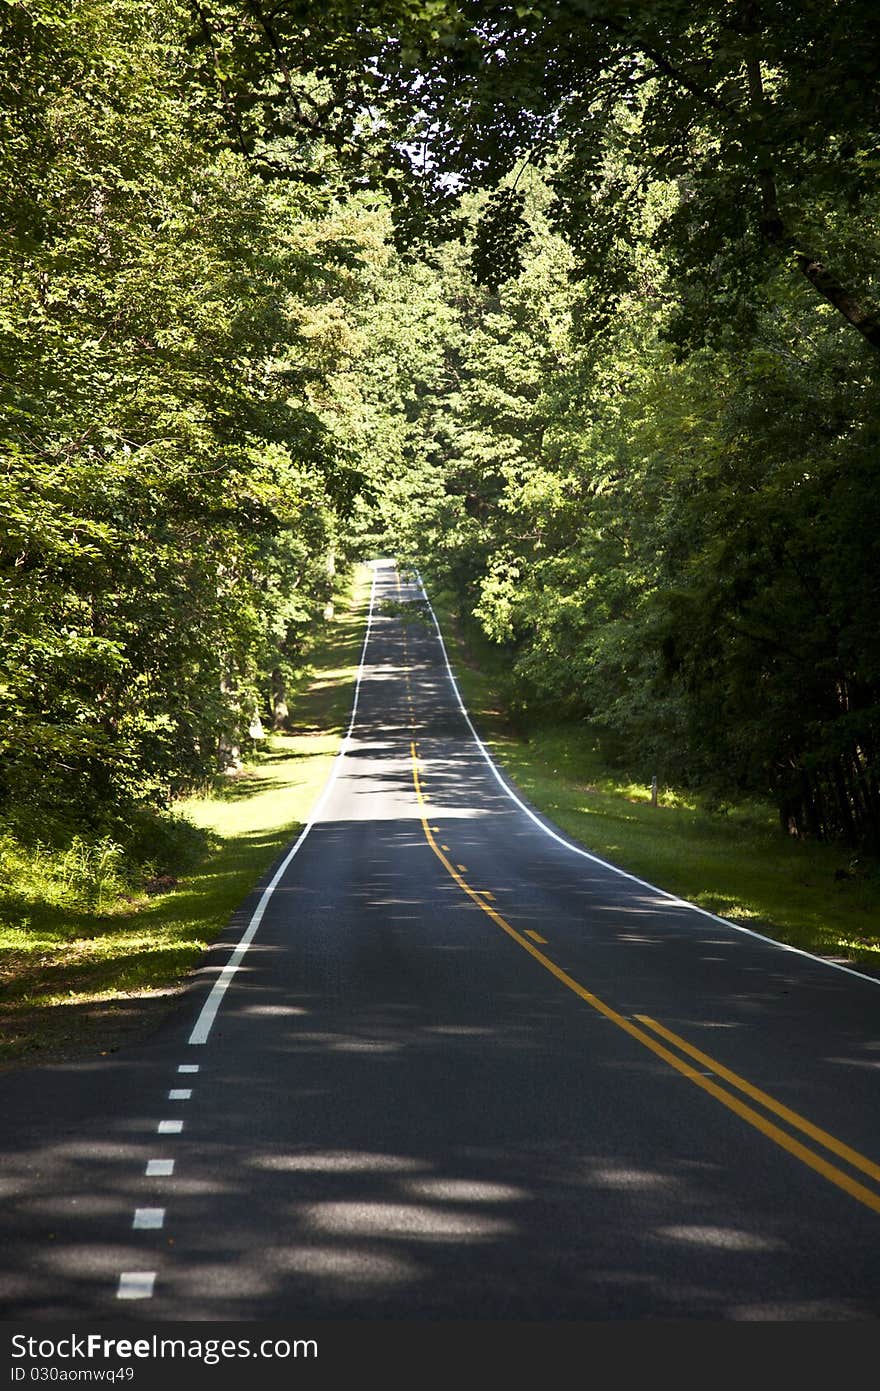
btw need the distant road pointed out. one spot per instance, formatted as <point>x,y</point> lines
<point>451,1068</point>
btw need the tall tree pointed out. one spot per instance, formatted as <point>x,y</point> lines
<point>763,112</point>
<point>167,483</point>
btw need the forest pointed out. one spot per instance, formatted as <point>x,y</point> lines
<point>573,306</point>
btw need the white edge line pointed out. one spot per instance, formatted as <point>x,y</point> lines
<point>606,864</point>
<point>209,1009</point>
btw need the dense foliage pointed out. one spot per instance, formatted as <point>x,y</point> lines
<point>573,305</point>
<point>681,551</point>
<point>170,492</point>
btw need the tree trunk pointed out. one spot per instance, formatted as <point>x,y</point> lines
<point>329,608</point>
<point>773,229</point>
<point>844,803</point>
<point>280,711</point>
<point>825,282</point>
<point>228,750</point>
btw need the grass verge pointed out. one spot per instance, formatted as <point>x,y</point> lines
<point>79,983</point>
<point>735,862</point>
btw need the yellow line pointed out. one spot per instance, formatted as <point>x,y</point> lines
<point>858,1161</point>
<point>535,936</point>
<point>787,1142</point>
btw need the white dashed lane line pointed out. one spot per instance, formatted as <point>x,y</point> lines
<point>148,1218</point>
<point>159,1168</point>
<point>136,1284</point>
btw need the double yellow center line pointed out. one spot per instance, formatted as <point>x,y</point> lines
<point>637,1030</point>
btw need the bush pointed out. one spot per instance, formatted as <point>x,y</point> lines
<point>94,872</point>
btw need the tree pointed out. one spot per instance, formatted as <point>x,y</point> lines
<point>679,551</point>
<point>169,490</point>
<point>763,112</point>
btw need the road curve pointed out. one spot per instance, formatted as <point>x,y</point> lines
<point>442,1066</point>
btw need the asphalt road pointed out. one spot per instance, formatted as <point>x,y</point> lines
<point>460,1071</point>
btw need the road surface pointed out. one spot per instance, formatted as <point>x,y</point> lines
<point>456,1069</point>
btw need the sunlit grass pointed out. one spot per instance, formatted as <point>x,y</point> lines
<point>735,861</point>
<point>79,980</point>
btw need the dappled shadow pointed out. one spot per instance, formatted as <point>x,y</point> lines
<point>322,701</point>
<point>35,1036</point>
<point>243,787</point>
<point>250,783</point>
<point>408,611</point>
<point>392,1154</point>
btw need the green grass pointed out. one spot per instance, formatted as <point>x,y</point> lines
<point>81,980</point>
<point>736,862</point>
